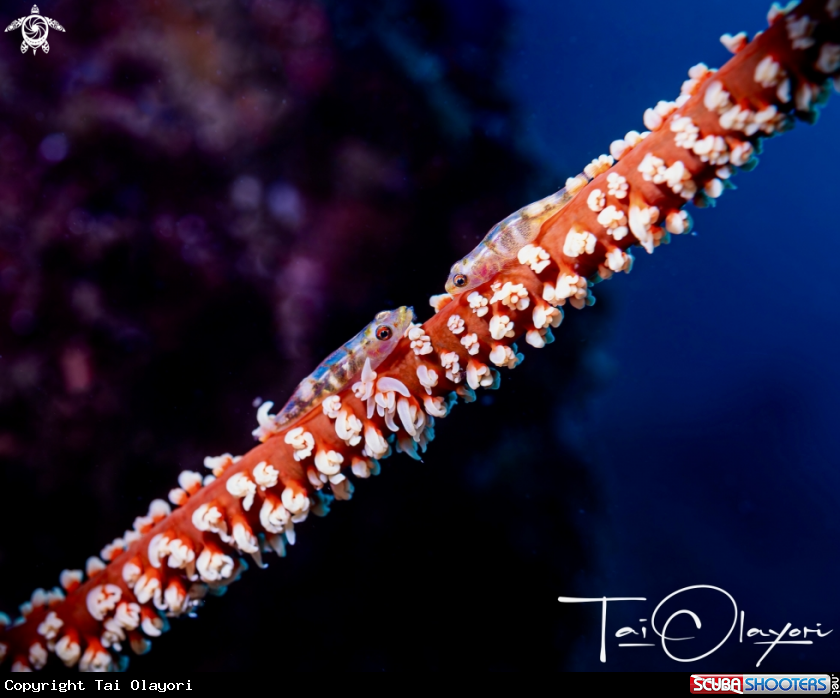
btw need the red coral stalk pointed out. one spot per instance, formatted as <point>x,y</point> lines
<point>250,505</point>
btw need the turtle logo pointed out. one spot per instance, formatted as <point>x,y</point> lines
<point>35,28</point>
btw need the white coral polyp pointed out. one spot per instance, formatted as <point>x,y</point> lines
<point>245,539</point>
<point>478,375</point>
<point>37,656</point>
<point>470,343</point>
<point>611,217</point>
<point>617,185</point>
<point>428,377</point>
<point>71,579</point>
<point>439,301</point>
<point>50,626</point>
<point>331,406</point>
<point>501,327</point>
<point>386,404</point>
<point>641,220</point>
<point>158,549</point>
<point>478,303</point>
<point>214,566</point>
<point>178,497</point>
<point>131,572</point>
<point>800,30</point>
<point>618,260</point>
<point>412,418</point>
<point>505,357</point>
<point>190,481</point>
<point>436,406</point>
<point>652,168</point>
<point>363,389</point>
<point>570,286</point>
<point>112,550</point>
<point>677,222</point>
<point>147,588</point>
<point>596,200</point>
<point>514,296</point>
<point>364,468</point>
<point>265,475</point>
<point>174,598</point>
<point>376,445</point>
<point>618,148</point>
<point>420,342</point>
<point>449,360</point>
<point>741,153</point>
<point>578,243</point>
<point>829,59</point>
<point>68,650</point>
<point>544,315</point>
<point>153,625</point>
<point>95,659</point>
<point>686,132</point>
<point>328,462</point>
<point>598,166</point>
<point>394,385</point>
<point>218,464</point>
<point>102,599</point>
<point>348,428</point>
<point>302,442</point>
<point>274,517</point>
<point>128,615</point>
<point>208,517</point>
<point>455,324</point>
<point>295,502</point>
<point>535,257</point>
<point>716,98</point>
<point>713,149</point>
<point>181,554</point>
<point>539,338</point>
<point>242,487</point>
<point>267,422</point>
<point>113,634</point>
<point>678,178</point>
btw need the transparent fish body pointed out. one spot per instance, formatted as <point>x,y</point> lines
<point>503,242</point>
<point>343,366</point>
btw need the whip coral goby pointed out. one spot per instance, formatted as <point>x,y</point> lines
<point>505,240</point>
<point>249,505</point>
<point>363,352</point>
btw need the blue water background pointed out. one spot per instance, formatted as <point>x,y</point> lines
<point>714,433</point>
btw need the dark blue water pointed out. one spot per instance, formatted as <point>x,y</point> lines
<point>714,432</point>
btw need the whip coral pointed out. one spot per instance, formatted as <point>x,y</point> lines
<point>240,508</point>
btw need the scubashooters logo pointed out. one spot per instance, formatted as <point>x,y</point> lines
<point>35,28</point>
<point>738,684</point>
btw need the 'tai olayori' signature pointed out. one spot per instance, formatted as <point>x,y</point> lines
<point>756,636</point>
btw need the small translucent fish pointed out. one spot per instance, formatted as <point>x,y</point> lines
<point>503,242</point>
<point>340,368</point>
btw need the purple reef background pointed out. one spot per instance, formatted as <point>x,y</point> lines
<point>198,201</point>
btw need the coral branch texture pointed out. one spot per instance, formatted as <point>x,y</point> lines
<point>240,508</point>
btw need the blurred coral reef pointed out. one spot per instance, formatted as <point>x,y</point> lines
<point>198,201</point>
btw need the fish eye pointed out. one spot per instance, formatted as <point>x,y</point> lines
<point>383,332</point>
<point>460,280</point>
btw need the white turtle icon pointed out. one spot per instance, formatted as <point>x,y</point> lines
<point>35,28</point>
